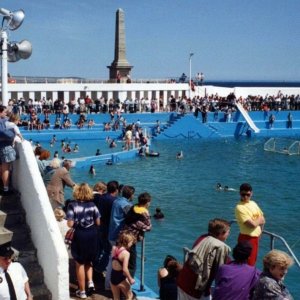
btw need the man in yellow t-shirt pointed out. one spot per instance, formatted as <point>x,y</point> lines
<point>250,219</point>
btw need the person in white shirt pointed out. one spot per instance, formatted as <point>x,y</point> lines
<point>17,274</point>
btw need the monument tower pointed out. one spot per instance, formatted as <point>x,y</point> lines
<point>119,70</point>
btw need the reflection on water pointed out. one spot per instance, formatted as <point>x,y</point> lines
<point>185,191</point>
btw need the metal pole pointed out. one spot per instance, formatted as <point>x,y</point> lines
<point>142,279</point>
<point>190,81</point>
<point>4,68</point>
<point>190,75</point>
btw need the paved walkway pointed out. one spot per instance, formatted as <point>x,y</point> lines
<point>101,293</point>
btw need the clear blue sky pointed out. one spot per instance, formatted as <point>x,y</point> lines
<point>231,39</point>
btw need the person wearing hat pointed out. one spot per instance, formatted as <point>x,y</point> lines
<point>14,282</point>
<point>59,180</point>
<point>237,279</point>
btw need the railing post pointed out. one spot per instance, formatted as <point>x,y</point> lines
<point>142,265</point>
<point>272,241</point>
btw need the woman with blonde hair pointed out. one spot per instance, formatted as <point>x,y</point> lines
<point>121,280</point>
<point>83,215</point>
<point>270,284</point>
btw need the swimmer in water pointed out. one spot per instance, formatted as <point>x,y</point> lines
<point>229,189</point>
<point>226,188</point>
<point>92,170</point>
<point>76,148</point>
<point>158,214</point>
<point>179,155</point>
<point>219,187</point>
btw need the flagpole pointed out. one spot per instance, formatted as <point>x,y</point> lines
<point>190,81</point>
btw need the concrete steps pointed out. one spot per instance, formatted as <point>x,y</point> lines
<point>13,227</point>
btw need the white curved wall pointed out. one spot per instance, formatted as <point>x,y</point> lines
<point>51,251</point>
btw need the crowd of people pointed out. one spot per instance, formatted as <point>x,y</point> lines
<point>209,262</point>
<point>110,249</point>
<point>87,105</point>
<point>108,226</point>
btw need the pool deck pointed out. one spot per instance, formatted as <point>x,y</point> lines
<point>101,293</point>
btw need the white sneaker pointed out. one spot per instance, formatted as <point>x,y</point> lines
<point>81,294</point>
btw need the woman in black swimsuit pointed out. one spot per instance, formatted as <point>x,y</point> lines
<point>121,279</point>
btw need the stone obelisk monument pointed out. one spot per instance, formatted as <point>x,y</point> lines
<point>119,70</point>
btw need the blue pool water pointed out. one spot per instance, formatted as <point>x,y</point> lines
<point>185,191</point>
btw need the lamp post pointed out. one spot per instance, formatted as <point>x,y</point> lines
<point>190,81</point>
<point>11,52</point>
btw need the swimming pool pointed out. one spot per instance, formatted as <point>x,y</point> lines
<point>185,191</point>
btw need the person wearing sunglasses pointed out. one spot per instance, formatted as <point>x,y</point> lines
<point>250,219</point>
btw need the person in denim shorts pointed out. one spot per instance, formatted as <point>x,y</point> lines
<point>7,154</point>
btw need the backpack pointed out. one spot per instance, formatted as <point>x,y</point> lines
<point>6,135</point>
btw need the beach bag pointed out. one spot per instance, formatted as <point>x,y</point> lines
<point>69,236</point>
<point>6,134</point>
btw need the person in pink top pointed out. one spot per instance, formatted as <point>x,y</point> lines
<point>121,280</point>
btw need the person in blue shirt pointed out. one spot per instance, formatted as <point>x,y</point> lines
<point>104,204</point>
<point>119,210</point>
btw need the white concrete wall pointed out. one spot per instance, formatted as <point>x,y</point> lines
<point>263,91</point>
<point>144,88</point>
<point>246,91</point>
<point>51,251</point>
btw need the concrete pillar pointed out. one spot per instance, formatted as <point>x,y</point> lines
<point>20,95</point>
<point>54,96</point>
<point>165,100</point>
<point>66,97</point>
<point>122,95</point>
<point>99,95</point>
<point>109,95</point>
<point>43,95</point>
<point>77,95</point>
<point>157,100</point>
<point>31,95</point>
<point>133,95</point>
<point>147,95</point>
<point>120,68</point>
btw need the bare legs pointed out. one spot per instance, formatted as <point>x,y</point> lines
<point>123,287</point>
<point>5,168</point>
<point>83,272</point>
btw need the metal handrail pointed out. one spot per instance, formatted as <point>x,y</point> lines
<point>142,278</point>
<point>274,236</point>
